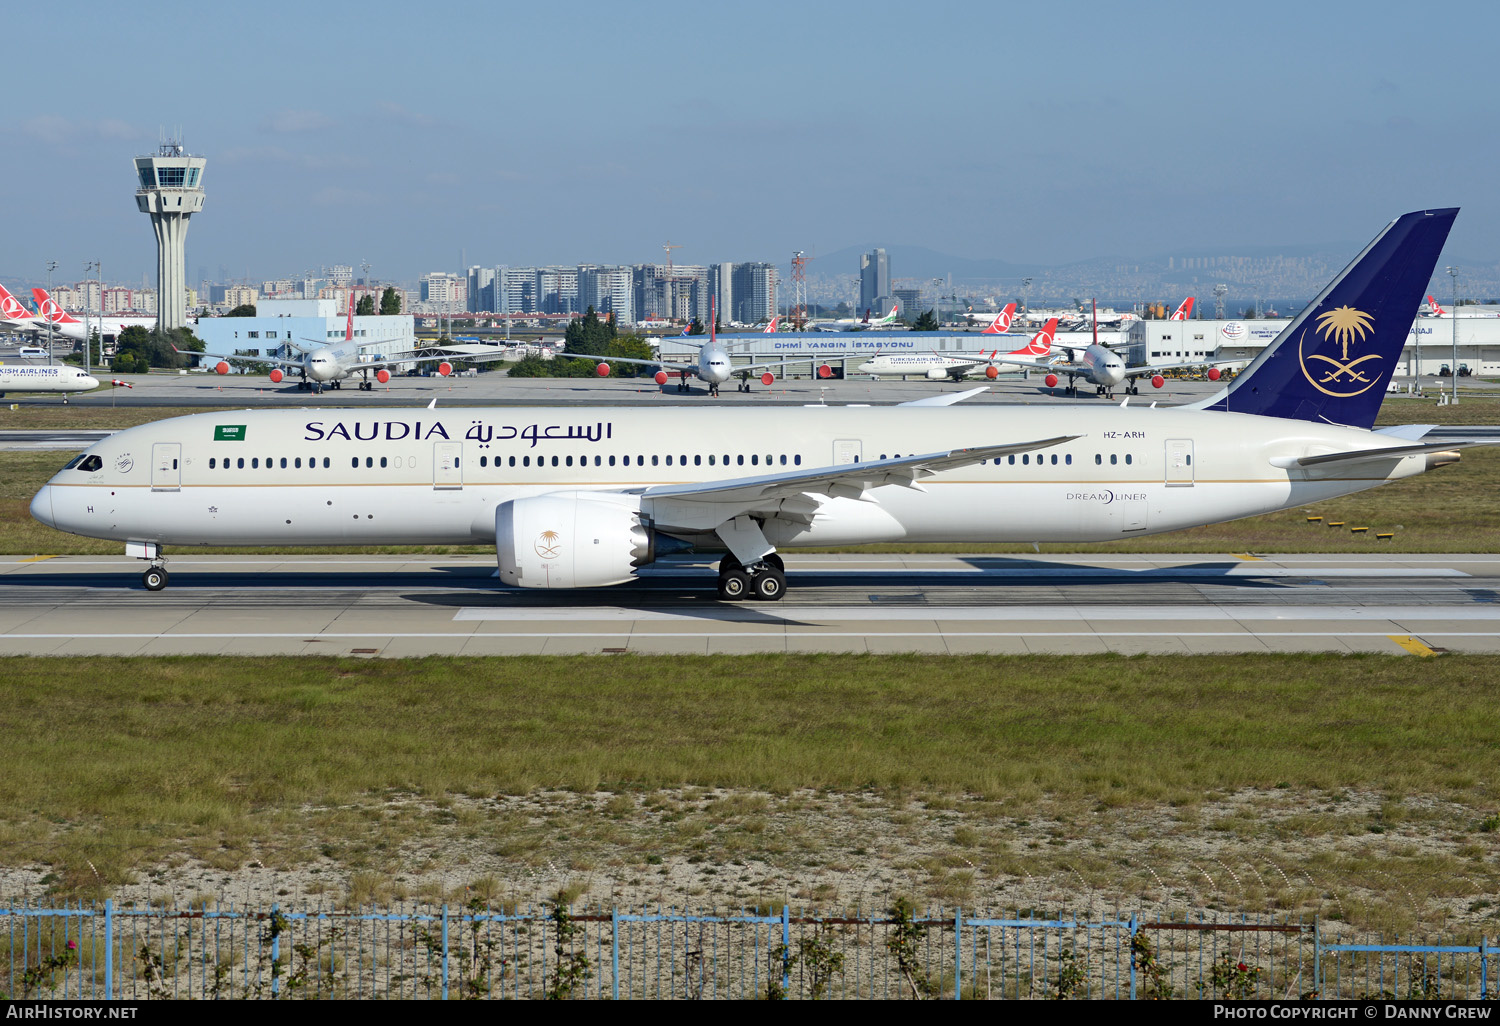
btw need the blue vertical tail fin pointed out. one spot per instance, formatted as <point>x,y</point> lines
<point>1333,362</point>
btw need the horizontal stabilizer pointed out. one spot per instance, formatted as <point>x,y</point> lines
<point>1393,452</point>
<point>1409,432</point>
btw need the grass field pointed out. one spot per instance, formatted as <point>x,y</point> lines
<point>1451,510</point>
<point>953,778</point>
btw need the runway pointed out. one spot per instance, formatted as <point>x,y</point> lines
<point>453,605</point>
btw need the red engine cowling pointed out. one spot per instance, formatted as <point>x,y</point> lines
<point>992,372</point>
<point>602,370</point>
<point>767,379</point>
<point>222,367</point>
<point>1157,381</point>
<point>445,368</point>
<point>1214,374</point>
<point>1051,380</point>
<point>382,376</point>
<point>825,371</point>
<point>660,377</point>
<point>276,375</point>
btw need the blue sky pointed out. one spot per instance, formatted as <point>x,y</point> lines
<point>407,134</point>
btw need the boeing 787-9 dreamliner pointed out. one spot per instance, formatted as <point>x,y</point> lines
<point>577,497</point>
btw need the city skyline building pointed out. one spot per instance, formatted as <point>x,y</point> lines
<point>874,278</point>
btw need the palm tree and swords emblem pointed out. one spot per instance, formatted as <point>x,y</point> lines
<point>548,544</point>
<point>1345,326</point>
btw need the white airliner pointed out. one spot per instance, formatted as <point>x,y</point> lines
<point>936,366</point>
<point>66,326</point>
<point>578,497</point>
<point>14,316</point>
<point>858,323</point>
<point>1184,311</point>
<point>57,377</point>
<point>1436,310</point>
<point>1103,368</point>
<point>326,366</point>
<point>713,366</point>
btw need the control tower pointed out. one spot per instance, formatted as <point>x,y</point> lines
<point>171,191</point>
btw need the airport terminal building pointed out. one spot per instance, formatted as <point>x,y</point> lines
<point>279,322</point>
<point>1159,343</point>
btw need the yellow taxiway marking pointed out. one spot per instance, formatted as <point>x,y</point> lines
<point>1413,645</point>
<point>35,559</point>
<point>1246,555</point>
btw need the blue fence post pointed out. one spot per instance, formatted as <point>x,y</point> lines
<point>275,951</point>
<point>958,954</point>
<point>1317,958</point>
<point>786,949</point>
<point>109,950</point>
<point>445,951</point>
<point>1484,966</point>
<point>614,953</point>
<point>1134,926</point>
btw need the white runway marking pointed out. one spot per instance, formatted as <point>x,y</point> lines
<point>1065,613</point>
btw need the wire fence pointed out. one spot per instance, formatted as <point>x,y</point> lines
<point>477,952</point>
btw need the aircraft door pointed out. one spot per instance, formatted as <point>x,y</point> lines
<point>166,467</point>
<point>846,451</point>
<point>1179,463</point>
<point>447,465</point>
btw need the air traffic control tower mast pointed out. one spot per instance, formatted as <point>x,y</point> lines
<point>171,191</point>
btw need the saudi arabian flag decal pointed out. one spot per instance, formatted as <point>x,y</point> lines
<point>229,432</point>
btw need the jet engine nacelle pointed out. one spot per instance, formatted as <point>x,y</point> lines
<point>1214,374</point>
<point>445,368</point>
<point>276,375</point>
<point>936,374</point>
<point>660,377</point>
<point>572,540</point>
<point>768,379</point>
<point>1157,381</point>
<point>222,367</point>
<point>1051,380</point>
<point>602,370</point>
<point>383,376</point>
<point>992,372</point>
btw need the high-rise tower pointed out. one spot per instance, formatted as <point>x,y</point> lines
<point>171,191</point>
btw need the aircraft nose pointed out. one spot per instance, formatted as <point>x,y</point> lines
<point>41,506</point>
<point>91,382</point>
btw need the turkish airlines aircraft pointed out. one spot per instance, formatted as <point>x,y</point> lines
<point>771,327</point>
<point>1184,311</point>
<point>323,366</point>
<point>1438,311</point>
<point>936,367</point>
<point>1001,324</point>
<point>65,325</point>
<point>576,497</point>
<point>57,377</point>
<point>15,317</point>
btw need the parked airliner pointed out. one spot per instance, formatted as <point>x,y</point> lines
<point>858,323</point>
<point>576,497</point>
<point>326,366</point>
<point>937,366</point>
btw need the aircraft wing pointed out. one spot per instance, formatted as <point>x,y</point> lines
<point>274,361</point>
<point>1135,372</point>
<point>1041,365</point>
<point>666,365</point>
<point>850,480</point>
<point>946,398</point>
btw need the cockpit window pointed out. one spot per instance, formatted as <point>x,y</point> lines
<point>74,461</point>
<point>89,464</point>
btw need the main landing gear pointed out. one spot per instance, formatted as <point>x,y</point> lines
<point>156,577</point>
<point>765,580</point>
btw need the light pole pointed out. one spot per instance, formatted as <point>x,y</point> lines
<point>1453,273</point>
<point>51,266</point>
<point>1026,296</point>
<point>88,337</point>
